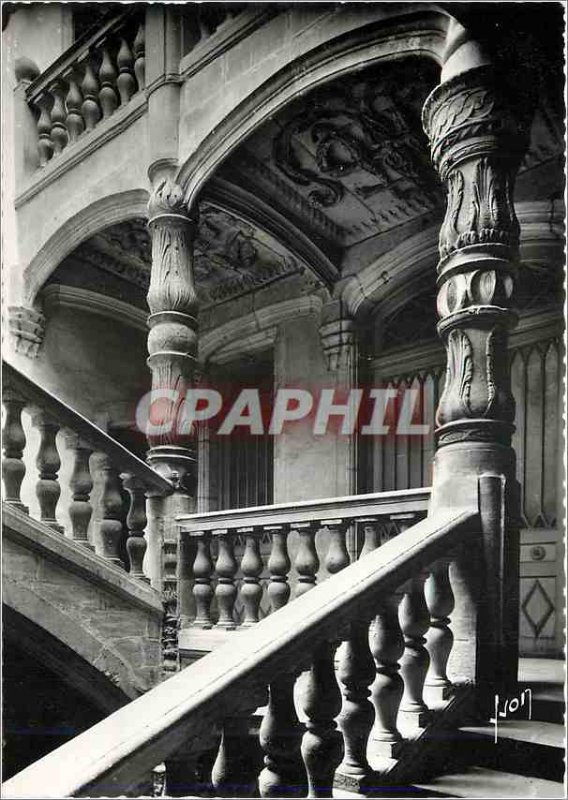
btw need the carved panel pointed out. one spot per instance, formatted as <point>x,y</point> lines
<point>355,150</point>
<point>230,258</point>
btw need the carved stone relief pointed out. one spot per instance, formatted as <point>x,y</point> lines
<point>230,257</point>
<point>355,150</point>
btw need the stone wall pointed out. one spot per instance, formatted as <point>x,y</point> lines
<point>108,620</point>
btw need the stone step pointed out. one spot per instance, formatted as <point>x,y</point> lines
<point>545,677</point>
<point>479,782</point>
<point>526,747</point>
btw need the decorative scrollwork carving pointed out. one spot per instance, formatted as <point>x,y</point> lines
<point>365,127</point>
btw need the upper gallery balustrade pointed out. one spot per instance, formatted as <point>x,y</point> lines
<point>101,72</point>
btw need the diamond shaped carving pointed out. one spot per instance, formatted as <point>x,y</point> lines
<point>537,607</point>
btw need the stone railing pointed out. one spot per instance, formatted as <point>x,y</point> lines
<point>243,563</point>
<point>121,472</point>
<point>94,77</point>
<point>207,706</point>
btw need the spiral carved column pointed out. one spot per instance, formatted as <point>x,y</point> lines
<point>172,341</point>
<point>478,128</point>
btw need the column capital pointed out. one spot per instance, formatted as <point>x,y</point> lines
<point>472,114</point>
<point>478,133</point>
<point>167,199</point>
<point>338,336</point>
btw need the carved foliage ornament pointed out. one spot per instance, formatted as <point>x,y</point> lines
<point>367,126</point>
<point>477,385</point>
<point>167,198</point>
<point>472,106</point>
<point>488,216</point>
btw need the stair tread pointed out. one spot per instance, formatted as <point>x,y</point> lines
<point>478,782</point>
<point>542,671</point>
<point>549,734</point>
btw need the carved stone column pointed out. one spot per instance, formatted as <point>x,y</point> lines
<point>172,341</point>
<point>477,141</point>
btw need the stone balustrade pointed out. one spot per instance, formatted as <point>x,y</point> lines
<point>123,475</point>
<point>249,562</point>
<point>100,73</point>
<point>329,669</point>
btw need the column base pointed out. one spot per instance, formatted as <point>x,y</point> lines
<point>438,693</point>
<point>387,749</point>
<point>413,720</point>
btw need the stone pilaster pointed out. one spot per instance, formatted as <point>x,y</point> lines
<point>172,341</point>
<point>477,141</point>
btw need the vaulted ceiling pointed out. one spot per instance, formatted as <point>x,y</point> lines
<point>316,193</point>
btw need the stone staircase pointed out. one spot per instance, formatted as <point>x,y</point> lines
<point>528,758</point>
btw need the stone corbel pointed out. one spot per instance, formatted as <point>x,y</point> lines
<point>337,336</point>
<point>27,327</point>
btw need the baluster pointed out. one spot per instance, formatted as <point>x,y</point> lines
<point>251,567</point>
<point>321,703</point>
<point>45,144</point>
<point>281,738</point>
<point>125,82</point>
<point>81,484</point>
<point>90,89</point>
<point>234,772</point>
<point>111,524</point>
<point>414,622</point>
<point>226,590</point>
<point>139,48</point>
<point>59,135</point>
<point>74,100</point>
<point>371,534</point>
<point>136,521</point>
<point>356,674</point>
<point>337,557</point>
<point>279,566</point>
<point>48,463</point>
<point>202,572</point>
<point>14,439</point>
<point>107,77</point>
<point>387,646</point>
<point>440,602</point>
<point>306,562</point>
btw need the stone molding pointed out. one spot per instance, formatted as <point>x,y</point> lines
<point>380,39</point>
<point>60,296</point>
<point>36,536</point>
<point>76,152</point>
<point>374,286</point>
<point>82,225</point>
<point>219,42</point>
<point>378,286</point>
<point>27,327</point>
<point>256,211</point>
<point>532,327</point>
<point>255,343</point>
<point>239,335</point>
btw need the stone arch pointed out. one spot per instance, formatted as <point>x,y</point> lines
<point>383,285</point>
<point>76,653</point>
<point>99,215</point>
<point>414,33</point>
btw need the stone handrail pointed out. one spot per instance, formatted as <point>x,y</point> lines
<point>262,664</point>
<point>118,466</point>
<point>99,73</point>
<point>256,565</point>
